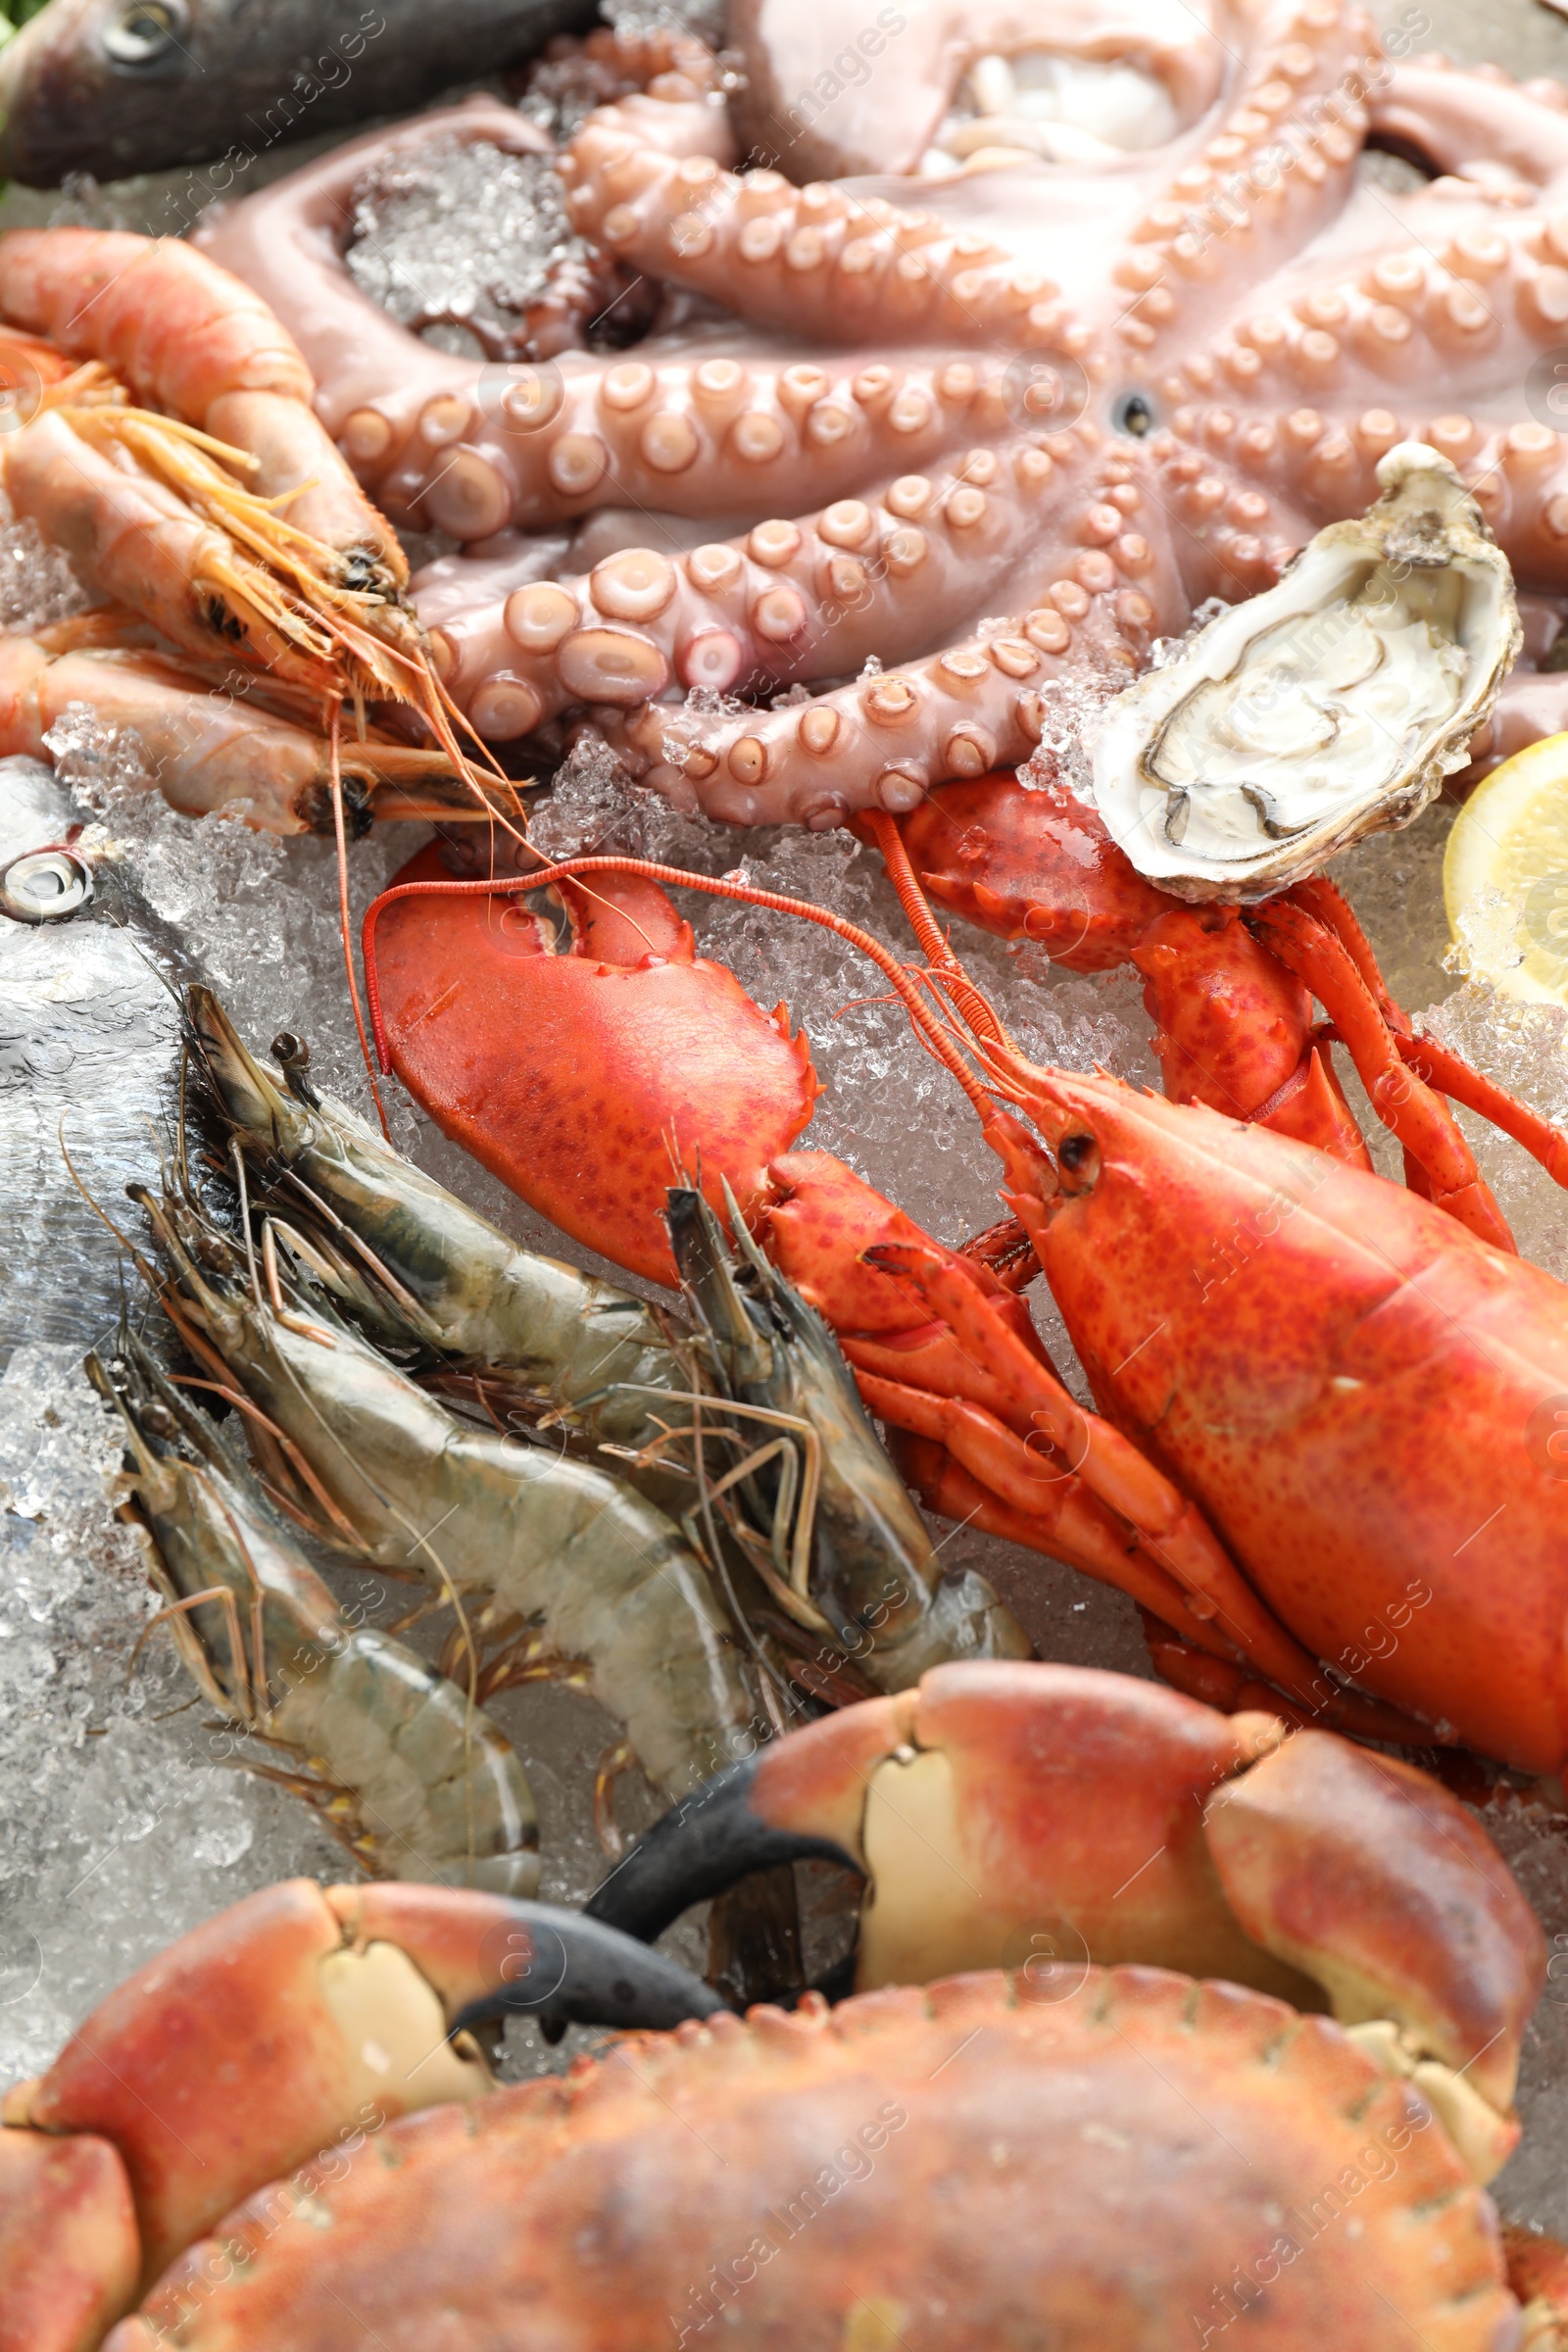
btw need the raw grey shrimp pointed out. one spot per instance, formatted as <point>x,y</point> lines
<point>414,1265</point>
<point>573,1571</point>
<point>863,1569</point>
<point>822,1517</point>
<point>416,1780</point>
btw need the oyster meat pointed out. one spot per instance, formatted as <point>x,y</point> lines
<point>1330,707</point>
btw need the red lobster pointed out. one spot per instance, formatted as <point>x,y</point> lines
<point>1327,1408</point>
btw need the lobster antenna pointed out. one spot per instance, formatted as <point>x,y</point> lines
<point>975,1008</point>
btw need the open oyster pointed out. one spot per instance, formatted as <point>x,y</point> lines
<point>1330,707</point>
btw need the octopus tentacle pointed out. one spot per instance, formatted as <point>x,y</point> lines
<point>1481,117</point>
<point>883,741</point>
<point>820,260</point>
<point>441,439</point>
<point>717,438</point>
<point>288,252</point>
<point>800,598</point>
<point>1262,186</point>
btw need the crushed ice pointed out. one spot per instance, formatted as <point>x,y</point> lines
<point>37,582</point>
<point>458,239</point>
<point>120,1822</point>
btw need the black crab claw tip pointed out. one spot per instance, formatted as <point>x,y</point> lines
<point>701,1846</point>
<point>562,1968</point>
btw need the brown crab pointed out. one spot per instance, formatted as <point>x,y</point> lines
<point>1116,2156</point>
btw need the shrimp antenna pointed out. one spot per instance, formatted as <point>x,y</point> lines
<point>125,1242</point>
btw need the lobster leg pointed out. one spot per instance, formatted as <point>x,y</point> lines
<point>1452,1076</point>
<point>1434,1063</point>
<point>1234,1030</point>
<point>1059,1511</point>
<point>1232,1025</point>
<point>1437,1158</point>
<point>1159,1518</point>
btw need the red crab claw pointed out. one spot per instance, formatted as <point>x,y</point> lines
<point>279,2030</point>
<point>1045,1818</point>
<point>582,1079</point>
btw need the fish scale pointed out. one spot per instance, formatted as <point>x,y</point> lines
<point>90,1051</point>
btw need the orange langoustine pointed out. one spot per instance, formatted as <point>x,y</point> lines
<point>162,434</point>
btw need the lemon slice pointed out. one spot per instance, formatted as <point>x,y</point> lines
<point>1506,876</point>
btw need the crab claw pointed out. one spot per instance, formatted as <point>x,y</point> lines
<point>1053,1815</point>
<point>788,1804</point>
<point>69,2250</point>
<point>286,2026</point>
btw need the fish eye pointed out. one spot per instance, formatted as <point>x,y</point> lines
<point>1133,415</point>
<point>140,32</point>
<point>44,887</point>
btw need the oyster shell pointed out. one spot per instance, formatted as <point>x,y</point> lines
<point>1330,707</point>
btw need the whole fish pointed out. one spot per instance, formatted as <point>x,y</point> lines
<point>90,1051</point>
<point>116,86</point>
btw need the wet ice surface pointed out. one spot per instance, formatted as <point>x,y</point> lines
<point>117,1829</point>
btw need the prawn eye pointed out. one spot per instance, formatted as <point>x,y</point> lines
<point>142,31</point>
<point>1077,1154</point>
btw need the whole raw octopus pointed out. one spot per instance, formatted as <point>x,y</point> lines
<point>1084,395</point>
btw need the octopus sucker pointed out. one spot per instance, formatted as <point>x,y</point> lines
<point>1050,405</point>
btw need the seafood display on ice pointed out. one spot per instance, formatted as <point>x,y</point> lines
<point>1275,1457</point>
<point>1019,2113</point>
<point>1085,475</point>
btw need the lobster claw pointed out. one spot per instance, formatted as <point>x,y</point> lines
<point>582,1079</point>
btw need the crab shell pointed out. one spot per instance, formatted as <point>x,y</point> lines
<point>1053,1817</point>
<point>1244,836</point>
<point>980,2163</point>
<point>1106,2157</point>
